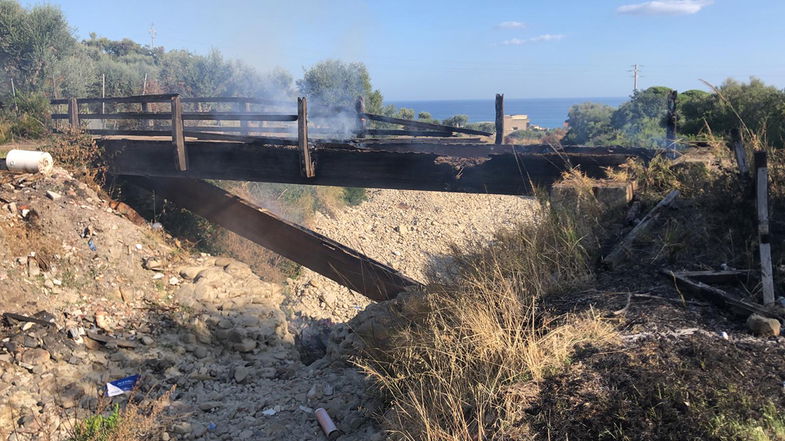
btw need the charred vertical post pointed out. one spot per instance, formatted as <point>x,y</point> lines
<point>73,113</point>
<point>762,203</point>
<point>359,107</point>
<point>302,137</point>
<point>178,139</point>
<point>670,133</point>
<point>737,145</point>
<point>499,118</point>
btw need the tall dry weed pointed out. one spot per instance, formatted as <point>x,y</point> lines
<point>449,374</point>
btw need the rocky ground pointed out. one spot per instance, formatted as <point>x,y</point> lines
<point>104,295</point>
<point>411,231</point>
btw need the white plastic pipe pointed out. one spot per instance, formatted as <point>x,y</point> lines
<point>28,161</point>
<point>327,424</point>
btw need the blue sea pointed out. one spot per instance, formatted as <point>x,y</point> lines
<point>545,112</point>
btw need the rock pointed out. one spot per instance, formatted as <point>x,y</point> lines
<point>174,281</point>
<point>153,264</point>
<point>103,321</point>
<point>147,340</point>
<point>315,392</point>
<point>33,270</point>
<point>246,345</point>
<point>158,276</point>
<point>53,195</point>
<point>209,405</point>
<point>762,326</point>
<point>223,261</point>
<point>183,428</point>
<point>35,357</point>
<point>200,352</point>
<point>190,273</point>
<point>241,373</point>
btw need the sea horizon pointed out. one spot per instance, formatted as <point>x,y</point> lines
<point>545,112</point>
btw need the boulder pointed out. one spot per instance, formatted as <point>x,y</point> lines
<point>762,326</point>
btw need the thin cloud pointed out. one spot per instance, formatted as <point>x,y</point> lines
<point>513,42</point>
<point>665,7</point>
<point>510,25</point>
<point>547,37</point>
<point>537,39</point>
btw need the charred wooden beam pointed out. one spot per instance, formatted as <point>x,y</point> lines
<point>161,98</point>
<point>319,253</point>
<point>499,118</point>
<point>178,138</point>
<point>718,296</point>
<point>423,125</point>
<point>503,169</point>
<point>308,168</point>
<point>764,241</point>
<point>188,116</point>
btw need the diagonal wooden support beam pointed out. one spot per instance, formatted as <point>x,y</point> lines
<point>312,250</point>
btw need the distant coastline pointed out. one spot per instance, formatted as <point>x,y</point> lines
<point>545,112</point>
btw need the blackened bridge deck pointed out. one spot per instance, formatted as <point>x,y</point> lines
<point>434,166</point>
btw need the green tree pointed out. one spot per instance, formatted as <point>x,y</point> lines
<point>405,113</point>
<point>589,123</point>
<point>424,116</point>
<point>337,83</point>
<point>31,42</point>
<point>456,121</point>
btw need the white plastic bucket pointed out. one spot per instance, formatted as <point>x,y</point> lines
<point>28,161</point>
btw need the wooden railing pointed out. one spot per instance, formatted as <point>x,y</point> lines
<point>178,130</point>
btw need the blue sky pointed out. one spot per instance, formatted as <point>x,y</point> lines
<point>470,49</point>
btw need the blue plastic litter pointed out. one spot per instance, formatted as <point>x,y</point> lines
<point>121,386</point>
<point>91,244</point>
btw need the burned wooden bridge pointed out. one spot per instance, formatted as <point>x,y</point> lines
<point>173,151</point>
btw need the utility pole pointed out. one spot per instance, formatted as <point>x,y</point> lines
<point>153,34</point>
<point>635,72</point>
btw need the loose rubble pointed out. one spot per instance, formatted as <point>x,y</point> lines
<point>113,297</point>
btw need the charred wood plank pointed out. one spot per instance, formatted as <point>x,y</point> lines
<point>178,138</point>
<point>188,116</point>
<point>718,296</point>
<point>503,172</point>
<point>762,204</point>
<point>499,118</point>
<point>619,252</point>
<point>160,98</point>
<point>308,248</point>
<point>423,125</point>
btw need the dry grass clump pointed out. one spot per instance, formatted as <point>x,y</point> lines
<point>78,153</point>
<point>140,419</point>
<point>451,374</point>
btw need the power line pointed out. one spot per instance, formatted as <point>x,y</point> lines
<point>635,73</point>
<point>153,34</point>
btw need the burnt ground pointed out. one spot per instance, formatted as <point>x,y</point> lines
<point>685,369</point>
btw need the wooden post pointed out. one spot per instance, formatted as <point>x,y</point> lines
<point>359,107</point>
<point>246,107</point>
<point>13,92</point>
<point>178,139</point>
<point>103,95</point>
<point>762,202</point>
<point>302,137</point>
<point>499,118</point>
<point>737,144</point>
<point>73,113</point>
<point>670,133</point>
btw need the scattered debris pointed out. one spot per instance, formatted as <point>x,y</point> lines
<point>327,424</point>
<point>121,386</point>
<point>619,252</point>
